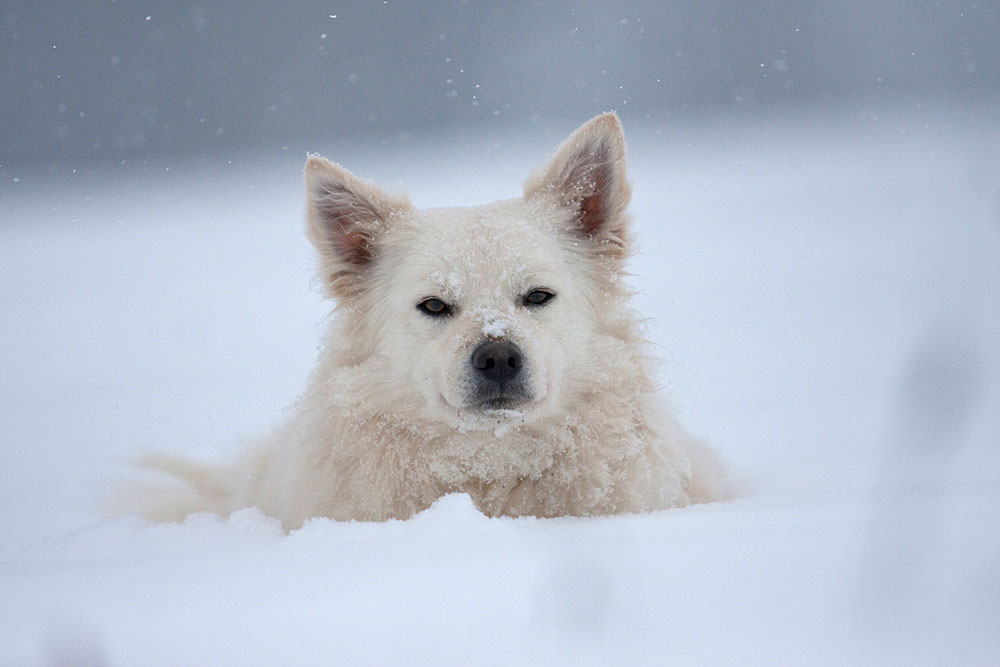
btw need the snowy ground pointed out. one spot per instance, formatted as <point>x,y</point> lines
<point>824,291</point>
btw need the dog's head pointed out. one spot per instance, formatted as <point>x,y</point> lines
<point>482,314</point>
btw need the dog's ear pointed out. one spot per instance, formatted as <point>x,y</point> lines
<point>346,216</point>
<point>588,175</point>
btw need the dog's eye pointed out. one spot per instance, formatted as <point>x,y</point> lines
<point>434,307</point>
<point>538,297</point>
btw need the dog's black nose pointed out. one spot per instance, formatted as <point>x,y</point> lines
<point>497,360</point>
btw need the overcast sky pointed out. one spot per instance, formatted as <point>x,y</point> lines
<point>99,79</point>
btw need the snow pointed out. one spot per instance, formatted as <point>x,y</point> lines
<point>824,290</point>
<point>495,323</point>
<point>451,282</point>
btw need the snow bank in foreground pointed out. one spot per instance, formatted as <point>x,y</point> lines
<point>752,582</point>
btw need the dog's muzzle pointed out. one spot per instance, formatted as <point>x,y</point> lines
<point>498,370</point>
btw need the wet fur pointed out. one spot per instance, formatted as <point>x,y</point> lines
<point>389,422</point>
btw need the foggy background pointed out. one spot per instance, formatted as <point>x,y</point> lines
<point>128,80</point>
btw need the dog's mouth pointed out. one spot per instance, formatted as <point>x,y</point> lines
<point>497,409</point>
<point>494,405</point>
<point>499,405</point>
<point>489,396</point>
<point>473,413</point>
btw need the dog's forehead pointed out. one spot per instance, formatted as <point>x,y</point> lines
<point>512,220</point>
<point>495,244</point>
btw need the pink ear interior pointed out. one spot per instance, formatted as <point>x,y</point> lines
<point>594,181</point>
<point>587,173</point>
<point>348,222</point>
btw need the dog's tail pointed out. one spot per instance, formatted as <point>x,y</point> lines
<point>711,480</point>
<point>174,488</point>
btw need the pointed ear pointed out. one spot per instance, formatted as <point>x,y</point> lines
<point>588,175</point>
<point>346,217</point>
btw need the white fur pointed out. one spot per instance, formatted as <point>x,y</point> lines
<point>385,426</point>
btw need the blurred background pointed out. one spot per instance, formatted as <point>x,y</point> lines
<point>136,80</point>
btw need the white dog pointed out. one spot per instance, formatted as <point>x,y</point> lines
<point>487,350</point>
